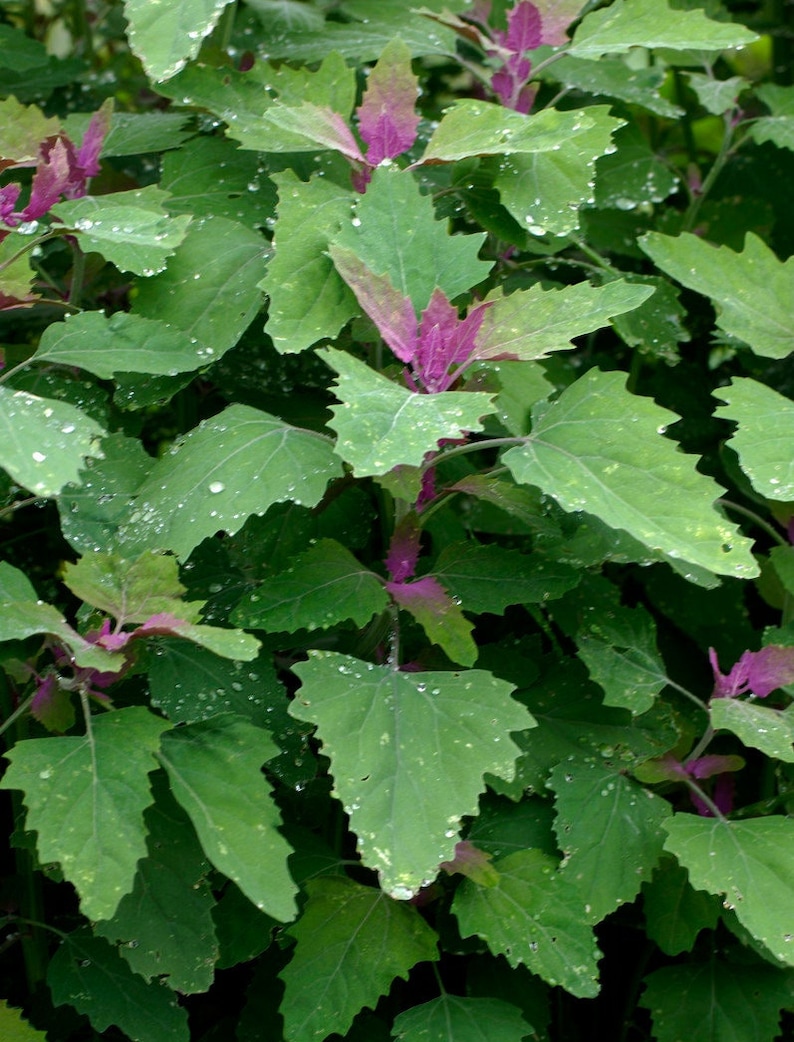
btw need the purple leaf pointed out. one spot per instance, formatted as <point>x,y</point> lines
<point>445,341</point>
<point>473,863</point>
<point>708,766</point>
<point>556,16</point>
<point>404,549</point>
<point>52,706</point>
<point>427,592</point>
<point>88,154</point>
<point>759,672</point>
<point>392,313</point>
<point>321,124</point>
<point>387,121</point>
<point>55,175</point>
<point>8,200</point>
<point>524,31</point>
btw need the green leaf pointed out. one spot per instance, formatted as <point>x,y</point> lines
<point>86,797</point>
<point>234,465</point>
<point>382,425</point>
<point>748,289</point>
<point>532,323</point>
<point>598,448</point>
<point>759,726</point>
<point>130,591</point>
<point>212,177</point>
<point>610,831</point>
<point>394,233</point>
<point>130,229</point>
<point>656,327</point>
<point>764,436</point>
<point>16,274</point>
<point>324,586</point>
<point>534,917</point>
<point>717,96</point>
<point>20,54</point>
<point>165,925</point>
<point>632,176</point>
<point>408,752</point>
<point>166,36</point>
<point>44,441</point>
<point>88,973</point>
<point>751,863</point>
<point>717,1000</point>
<point>14,1029</point>
<point>779,127</point>
<point>121,343</point>
<point>653,23</point>
<point>439,616</point>
<point>489,577</point>
<point>210,290</point>
<point>352,941</point>
<point>215,772</point>
<point>452,1018</point>
<point>133,133</point>
<point>674,912</point>
<point>24,128</point>
<point>308,300</point>
<point>615,78</point>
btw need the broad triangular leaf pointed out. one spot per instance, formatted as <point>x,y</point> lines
<point>324,586</point>
<point>609,829</point>
<point>408,752</point>
<point>749,289</point>
<point>164,37</point>
<point>779,127</point>
<point>439,615</point>
<point>165,924</point>
<point>130,229</point>
<point>758,726</point>
<point>45,442</point>
<point>382,425</point>
<point>236,464</point>
<point>85,799</point>
<point>675,913</point>
<point>534,917</point>
<point>751,863</point>
<point>215,773</point>
<point>386,118</point>
<point>454,1018</point>
<point>764,436</point>
<point>394,232</point>
<point>88,973</point>
<point>352,941</point>
<point>653,23</point>
<point>130,591</point>
<point>598,448</point>
<point>716,1000</point>
<point>13,1027</point>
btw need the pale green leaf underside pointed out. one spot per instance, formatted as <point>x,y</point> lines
<point>408,753</point>
<point>758,726</point>
<point>609,829</point>
<point>13,1028</point>
<point>237,464</point>
<point>352,941</point>
<point>535,918</point>
<point>751,863</point>
<point>165,36</point>
<point>325,585</point>
<point>455,1018</point>
<point>215,771</point>
<point>122,343</point>
<point>653,23</point>
<point>382,425</point>
<point>751,290</point>
<point>86,797</point>
<point>130,229</point>
<point>598,448</point>
<point>45,442</point>
<point>765,435</point>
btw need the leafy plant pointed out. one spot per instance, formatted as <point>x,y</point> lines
<point>397,603</point>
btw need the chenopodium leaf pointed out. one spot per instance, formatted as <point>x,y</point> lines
<point>598,448</point>
<point>387,121</point>
<point>779,126</point>
<point>308,300</point>
<point>16,274</point>
<point>381,425</point>
<point>675,913</point>
<point>234,465</point>
<point>764,436</point>
<point>653,23</point>
<point>760,727</point>
<point>749,289</point>
<point>85,797</point>
<point>708,1001</point>
<point>123,343</point>
<point>215,771</point>
<point>88,973</point>
<point>324,586</point>
<point>13,1027</point>
<point>352,941</point>
<point>751,863</point>
<point>439,615</point>
<point>131,229</point>
<point>534,917</point>
<point>610,831</point>
<point>408,753</point>
<point>22,615</point>
<point>454,1018</point>
<point>164,38</point>
<point>45,442</point>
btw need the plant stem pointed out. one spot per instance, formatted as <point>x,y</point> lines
<point>702,745</point>
<point>20,711</point>
<point>707,800</point>
<point>691,214</point>
<point>756,519</point>
<point>472,446</point>
<point>7,511</point>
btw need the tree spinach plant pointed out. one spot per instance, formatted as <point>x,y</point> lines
<point>397,595</point>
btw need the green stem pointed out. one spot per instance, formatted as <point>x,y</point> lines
<point>712,806</point>
<point>81,28</point>
<point>20,711</point>
<point>702,745</point>
<point>691,214</point>
<point>25,249</point>
<point>755,518</point>
<point>688,695</point>
<point>78,276</point>
<point>473,446</point>
<point>7,511</point>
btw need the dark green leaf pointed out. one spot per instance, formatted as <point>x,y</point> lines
<point>674,912</point>
<point>758,726</point>
<point>452,1018</point>
<point>764,436</point>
